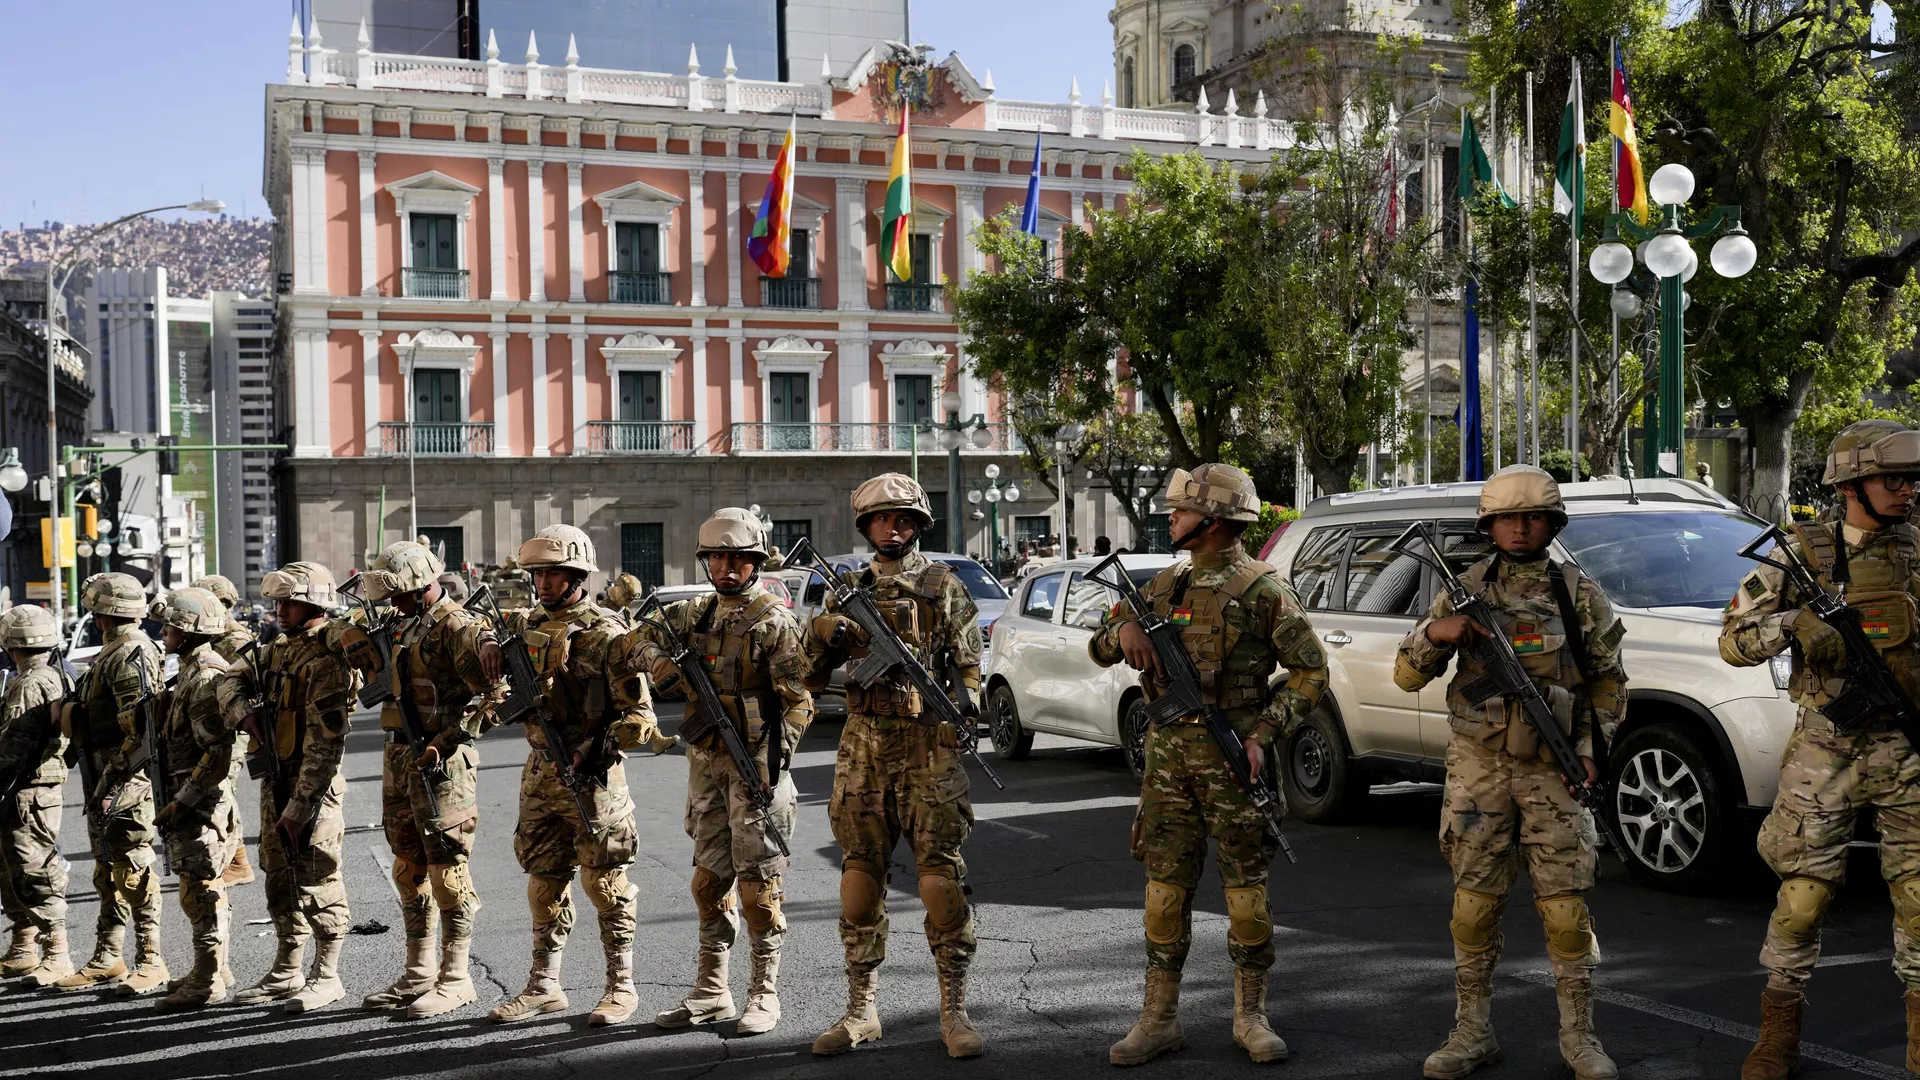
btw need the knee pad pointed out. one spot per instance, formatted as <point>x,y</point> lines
<point>1476,920</point>
<point>407,878</point>
<point>712,894</point>
<point>1249,922</point>
<point>1166,912</point>
<point>859,896</point>
<point>760,906</point>
<point>453,888</point>
<point>1569,928</point>
<point>607,889</point>
<point>1906,906</point>
<point>945,900</point>
<point>547,898</point>
<point>1803,904</point>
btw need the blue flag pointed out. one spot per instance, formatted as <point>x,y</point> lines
<point>1468,415</point>
<point>1030,217</point>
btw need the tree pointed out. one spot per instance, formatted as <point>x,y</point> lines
<point>1128,450</point>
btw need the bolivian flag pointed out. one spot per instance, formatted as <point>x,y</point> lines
<point>769,245</point>
<point>897,220</point>
<point>1630,179</point>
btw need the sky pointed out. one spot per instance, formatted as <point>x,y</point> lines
<point>120,105</point>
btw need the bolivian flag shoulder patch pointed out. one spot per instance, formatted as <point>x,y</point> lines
<point>1182,617</point>
<point>1526,639</point>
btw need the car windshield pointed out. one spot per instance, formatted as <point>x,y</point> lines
<point>979,583</point>
<point>1678,558</point>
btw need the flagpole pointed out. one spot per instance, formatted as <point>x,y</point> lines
<point>1578,185</point>
<point>1533,299</point>
<point>1613,337</point>
<point>1426,290</point>
<point>1493,129</point>
<point>1466,244</point>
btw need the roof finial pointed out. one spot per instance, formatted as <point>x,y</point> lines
<point>493,47</point>
<point>573,52</point>
<point>730,69</point>
<point>533,49</point>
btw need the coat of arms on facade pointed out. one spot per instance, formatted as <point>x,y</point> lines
<point>908,78</point>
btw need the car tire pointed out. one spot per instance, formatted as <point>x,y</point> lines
<point>1670,806</point>
<point>1133,734</point>
<point>1322,784</point>
<point>1011,739</point>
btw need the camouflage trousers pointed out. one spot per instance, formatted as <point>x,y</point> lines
<point>123,872</point>
<point>1826,779</point>
<point>1498,809</point>
<point>200,843</point>
<point>551,841</point>
<point>33,875</point>
<point>431,852</point>
<point>730,840</point>
<point>306,894</point>
<point>895,778</point>
<point>1188,794</point>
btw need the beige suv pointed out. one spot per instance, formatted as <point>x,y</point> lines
<point>1701,743</point>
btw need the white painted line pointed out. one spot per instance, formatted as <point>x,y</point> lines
<point>1015,829</point>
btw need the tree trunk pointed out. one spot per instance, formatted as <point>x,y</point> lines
<point>1333,476</point>
<point>1771,423</point>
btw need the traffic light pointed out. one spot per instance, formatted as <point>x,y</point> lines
<point>169,457</point>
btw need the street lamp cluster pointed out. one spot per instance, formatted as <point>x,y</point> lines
<point>993,492</point>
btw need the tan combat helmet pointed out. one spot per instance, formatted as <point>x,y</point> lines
<point>562,546</point>
<point>891,491</point>
<point>28,626</point>
<point>307,582</point>
<point>220,587</point>
<point>407,566</point>
<point>1872,448</point>
<point>1520,489</point>
<point>623,590</point>
<point>731,529</point>
<point>196,611</point>
<point>119,595</point>
<point>1218,491</point>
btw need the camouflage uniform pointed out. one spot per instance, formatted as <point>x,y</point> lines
<point>107,725</point>
<point>897,777</point>
<point>1505,797</point>
<point>1241,623</point>
<point>751,647</point>
<point>577,651</point>
<point>33,874</point>
<point>231,644</point>
<point>204,707</point>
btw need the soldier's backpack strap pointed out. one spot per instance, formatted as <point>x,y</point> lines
<point>1475,577</point>
<point>1236,587</point>
<point>1565,580</point>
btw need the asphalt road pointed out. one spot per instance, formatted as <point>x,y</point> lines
<point>1363,985</point>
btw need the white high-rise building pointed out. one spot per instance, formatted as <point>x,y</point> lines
<point>243,336</point>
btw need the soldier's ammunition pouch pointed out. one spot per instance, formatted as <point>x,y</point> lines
<point>883,699</point>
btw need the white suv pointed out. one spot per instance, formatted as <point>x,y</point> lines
<point>1702,740</point>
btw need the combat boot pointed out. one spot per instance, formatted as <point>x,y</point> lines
<point>617,1003</point>
<point>862,1020</point>
<point>239,871</point>
<point>1157,1031</point>
<point>201,987</point>
<point>710,1001</point>
<point>956,1027</point>
<point>1579,1046</point>
<point>1251,1031</point>
<point>454,987</point>
<point>417,977</point>
<point>542,995</point>
<point>763,1005</point>
<point>24,954</point>
<point>283,980</point>
<point>149,969</point>
<point>1776,1053</point>
<point>55,963</point>
<point>323,982</point>
<point>105,967</point>
<point>1471,1043</point>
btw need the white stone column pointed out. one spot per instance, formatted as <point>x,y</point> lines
<point>502,429</point>
<point>497,230</point>
<point>309,216</point>
<point>542,445</point>
<point>972,205</point>
<point>850,254</point>
<point>698,372</point>
<point>576,237</point>
<point>697,235</point>
<point>1078,198</point>
<point>856,361</point>
<point>317,218</point>
<point>369,229</point>
<point>737,388</point>
<point>536,230</point>
<point>736,263</point>
<point>370,385</point>
<point>577,384</point>
<point>312,436</point>
<point>973,392</point>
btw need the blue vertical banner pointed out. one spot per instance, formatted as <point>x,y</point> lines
<point>1030,217</point>
<point>1472,463</point>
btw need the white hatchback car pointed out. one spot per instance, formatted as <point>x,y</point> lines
<point>1039,676</point>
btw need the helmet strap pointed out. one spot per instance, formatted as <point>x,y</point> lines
<point>1866,503</point>
<point>1180,542</point>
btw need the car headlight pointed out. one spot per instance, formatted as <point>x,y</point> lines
<point>1781,664</point>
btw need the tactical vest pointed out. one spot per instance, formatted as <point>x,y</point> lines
<point>102,727</point>
<point>37,729</point>
<point>298,658</point>
<point>1537,629</point>
<point>724,645</point>
<point>555,644</point>
<point>426,672</point>
<point>184,742</point>
<point>1234,666</point>
<point>1880,590</point>
<point>912,602</point>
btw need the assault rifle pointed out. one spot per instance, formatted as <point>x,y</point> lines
<point>151,756</point>
<point>1506,678</point>
<point>264,762</point>
<point>525,702</point>
<point>1182,697</point>
<point>1871,688</point>
<point>701,691</point>
<point>415,731</point>
<point>380,633</point>
<point>886,653</point>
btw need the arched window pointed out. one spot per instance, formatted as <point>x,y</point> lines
<point>1182,64</point>
<point>1126,83</point>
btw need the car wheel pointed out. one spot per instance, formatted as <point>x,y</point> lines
<point>1133,734</point>
<point>1668,801</point>
<point>1010,740</point>
<point>1322,785</point>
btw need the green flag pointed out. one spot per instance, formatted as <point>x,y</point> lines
<point>1475,170</point>
<point>1570,163</point>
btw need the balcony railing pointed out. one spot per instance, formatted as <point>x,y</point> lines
<point>640,436</point>
<point>790,292</point>
<point>850,438</point>
<point>436,439</point>
<point>642,287</point>
<point>913,296</point>
<point>429,284</point>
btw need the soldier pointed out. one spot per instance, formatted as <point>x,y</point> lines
<point>453,587</point>
<point>598,702</point>
<point>895,776</point>
<point>752,648</point>
<point>119,803</point>
<point>312,673</point>
<point>1829,776</point>
<point>230,645</point>
<point>33,875</point>
<point>1504,794</point>
<point>436,672</point>
<point>196,818</point>
<point>1241,623</point>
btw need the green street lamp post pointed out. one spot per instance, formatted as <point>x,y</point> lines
<point>992,492</point>
<point>951,435</point>
<point>1666,250</point>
